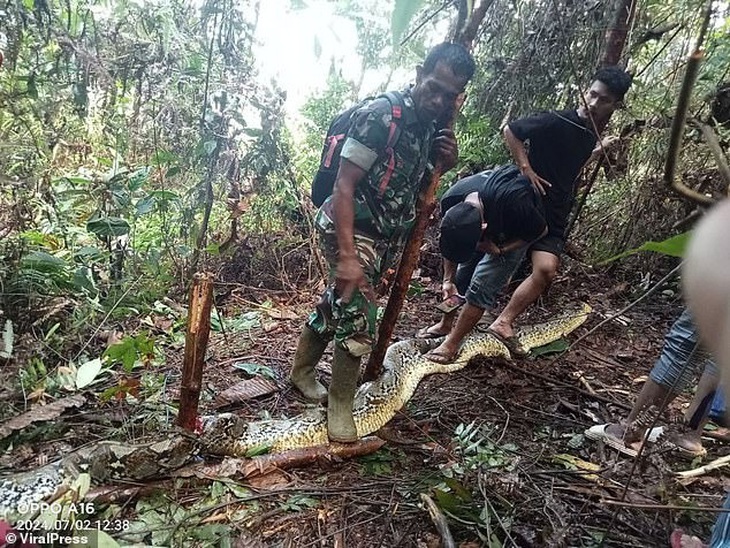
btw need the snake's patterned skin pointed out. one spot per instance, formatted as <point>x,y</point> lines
<point>375,404</point>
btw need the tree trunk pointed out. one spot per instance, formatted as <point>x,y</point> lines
<point>616,35</point>
<point>196,343</point>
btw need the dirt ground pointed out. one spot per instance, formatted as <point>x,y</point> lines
<point>498,446</point>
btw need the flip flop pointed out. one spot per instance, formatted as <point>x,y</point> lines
<point>512,343</point>
<point>599,433</point>
<point>426,333</point>
<point>444,358</point>
<point>686,453</point>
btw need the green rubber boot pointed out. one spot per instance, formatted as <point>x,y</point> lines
<point>345,371</point>
<point>309,351</point>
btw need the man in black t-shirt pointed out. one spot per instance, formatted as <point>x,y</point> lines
<point>560,144</point>
<point>486,219</point>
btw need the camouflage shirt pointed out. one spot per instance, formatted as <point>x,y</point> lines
<point>387,212</point>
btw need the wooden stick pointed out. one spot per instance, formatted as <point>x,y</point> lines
<point>671,507</point>
<point>196,343</point>
<point>439,520</point>
<point>713,465</point>
<point>265,464</point>
<point>295,458</point>
<point>409,259</point>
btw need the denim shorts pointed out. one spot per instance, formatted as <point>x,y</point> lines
<point>681,356</point>
<point>482,277</point>
<point>721,530</point>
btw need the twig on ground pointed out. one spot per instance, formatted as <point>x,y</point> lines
<point>439,520</point>
<point>669,507</point>
<point>713,465</point>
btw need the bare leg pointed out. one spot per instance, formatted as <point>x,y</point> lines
<point>443,326</point>
<point>544,268</point>
<point>690,437</point>
<point>632,432</point>
<point>468,318</point>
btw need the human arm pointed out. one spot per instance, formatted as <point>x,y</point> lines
<point>519,155</point>
<point>349,274</point>
<point>448,287</point>
<point>488,246</point>
<point>608,142</point>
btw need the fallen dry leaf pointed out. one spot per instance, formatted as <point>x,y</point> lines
<point>40,413</point>
<point>245,390</point>
<point>281,314</point>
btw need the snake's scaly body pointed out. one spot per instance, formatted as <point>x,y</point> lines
<point>375,404</point>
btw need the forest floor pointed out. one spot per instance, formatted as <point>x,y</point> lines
<point>498,446</point>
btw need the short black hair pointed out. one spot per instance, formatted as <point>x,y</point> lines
<point>456,56</point>
<point>616,79</point>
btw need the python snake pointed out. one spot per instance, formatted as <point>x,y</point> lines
<point>226,434</point>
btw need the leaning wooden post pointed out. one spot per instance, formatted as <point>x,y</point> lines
<point>196,343</point>
<point>424,207</point>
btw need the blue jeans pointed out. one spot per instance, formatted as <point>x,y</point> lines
<point>681,356</point>
<point>483,276</point>
<point>721,530</point>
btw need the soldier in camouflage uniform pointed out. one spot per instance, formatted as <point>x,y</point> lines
<point>365,222</point>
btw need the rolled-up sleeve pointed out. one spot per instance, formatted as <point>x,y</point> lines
<point>368,134</point>
<point>358,154</point>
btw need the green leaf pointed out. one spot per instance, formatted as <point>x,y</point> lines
<point>163,157</point>
<point>674,247</point>
<point>254,369</point>
<point>88,253</point>
<point>164,195</point>
<point>209,147</point>
<point>448,502</point>
<point>174,170</point>
<point>75,180</point>
<point>108,226</point>
<point>145,205</point>
<point>88,372</point>
<point>124,352</point>
<point>138,178</point>
<point>257,450</point>
<point>458,489</point>
<point>32,88</point>
<point>555,347</point>
<point>403,13</point>
<point>43,262</point>
<point>84,280</point>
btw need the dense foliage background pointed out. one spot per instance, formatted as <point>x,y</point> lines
<point>141,143</point>
<point>137,140</point>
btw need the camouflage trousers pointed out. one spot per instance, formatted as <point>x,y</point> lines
<point>352,325</point>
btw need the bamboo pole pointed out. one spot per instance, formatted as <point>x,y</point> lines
<point>196,343</point>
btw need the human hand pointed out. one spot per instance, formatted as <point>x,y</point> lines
<point>350,276</point>
<point>610,141</point>
<point>445,149</point>
<point>606,143</point>
<point>540,184</point>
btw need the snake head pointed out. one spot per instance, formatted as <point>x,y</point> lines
<point>217,430</point>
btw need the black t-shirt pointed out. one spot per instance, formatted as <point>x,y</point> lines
<point>560,144</point>
<point>511,205</point>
